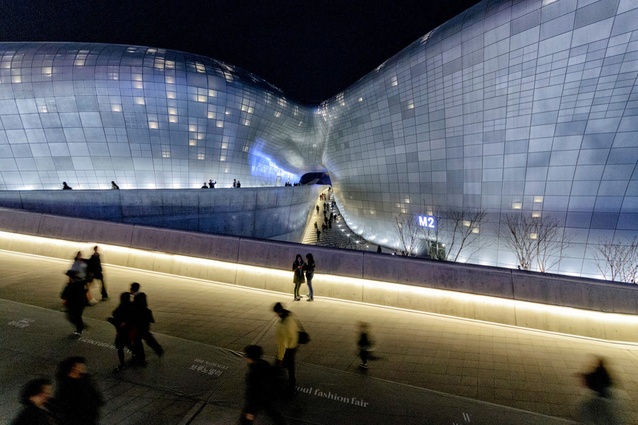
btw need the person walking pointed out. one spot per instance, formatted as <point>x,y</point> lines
<point>35,398</point>
<point>74,298</point>
<point>77,399</point>
<point>80,267</point>
<point>139,356</point>
<point>287,336</point>
<point>122,319</point>
<point>94,271</point>
<point>310,274</point>
<point>364,343</point>
<point>298,275</point>
<point>142,319</point>
<point>600,407</point>
<point>261,388</point>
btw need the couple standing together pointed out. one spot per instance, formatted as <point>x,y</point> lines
<point>303,273</point>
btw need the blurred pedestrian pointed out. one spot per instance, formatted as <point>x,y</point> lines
<point>298,275</point>
<point>287,336</point>
<point>364,343</point>
<point>74,299</point>
<point>66,186</point>
<point>77,399</point>
<point>122,319</point>
<point>261,388</point>
<point>34,397</point>
<point>94,271</point>
<point>80,267</point>
<point>599,407</point>
<point>142,319</point>
<point>114,186</point>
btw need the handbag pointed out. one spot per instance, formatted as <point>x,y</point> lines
<point>304,338</point>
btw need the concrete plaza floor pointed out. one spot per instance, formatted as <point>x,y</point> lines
<point>429,368</point>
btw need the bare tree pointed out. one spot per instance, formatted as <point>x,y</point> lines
<point>453,232</point>
<point>551,242</point>
<point>463,227</point>
<point>518,236</point>
<point>408,231</point>
<point>618,261</point>
<point>538,241</point>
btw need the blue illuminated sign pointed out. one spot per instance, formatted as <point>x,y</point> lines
<point>427,221</point>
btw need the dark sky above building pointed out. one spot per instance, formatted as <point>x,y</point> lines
<point>311,49</point>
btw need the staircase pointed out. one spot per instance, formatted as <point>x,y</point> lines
<point>339,236</point>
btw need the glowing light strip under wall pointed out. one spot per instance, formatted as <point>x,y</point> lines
<point>552,312</point>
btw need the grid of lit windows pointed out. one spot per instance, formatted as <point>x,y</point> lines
<point>512,107</point>
<point>86,113</point>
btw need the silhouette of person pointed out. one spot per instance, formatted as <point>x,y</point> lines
<point>600,408</point>
<point>66,186</point>
<point>260,388</point>
<point>94,271</point>
<point>74,296</point>
<point>122,319</point>
<point>77,398</point>
<point>35,398</point>
<point>298,267</point>
<point>310,274</point>
<point>114,186</point>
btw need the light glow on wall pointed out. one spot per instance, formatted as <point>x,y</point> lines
<point>340,287</point>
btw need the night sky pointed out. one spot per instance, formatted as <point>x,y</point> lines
<point>311,49</point>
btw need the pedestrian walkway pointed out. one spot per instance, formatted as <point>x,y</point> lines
<point>339,235</point>
<point>428,368</point>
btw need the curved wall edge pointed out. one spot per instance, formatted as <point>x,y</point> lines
<point>577,306</point>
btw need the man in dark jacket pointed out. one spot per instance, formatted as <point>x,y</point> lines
<point>261,388</point>
<point>77,399</point>
<point>142,319</point>
<point>94,271</point>
<point>74,296</point>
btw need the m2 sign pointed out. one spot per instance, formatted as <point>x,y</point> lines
<point>427,221</point>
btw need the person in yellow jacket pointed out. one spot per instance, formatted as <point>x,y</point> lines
<point>287,335</point>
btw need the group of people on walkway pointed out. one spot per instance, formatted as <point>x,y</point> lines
<point>210,185</point>
<point>132,318</point>
<point>114,186</point>
<point>82,277</point>
<point>265,383</point>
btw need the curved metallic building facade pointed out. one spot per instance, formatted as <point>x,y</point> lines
<point>144,117</point>
<point>513,107</point>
